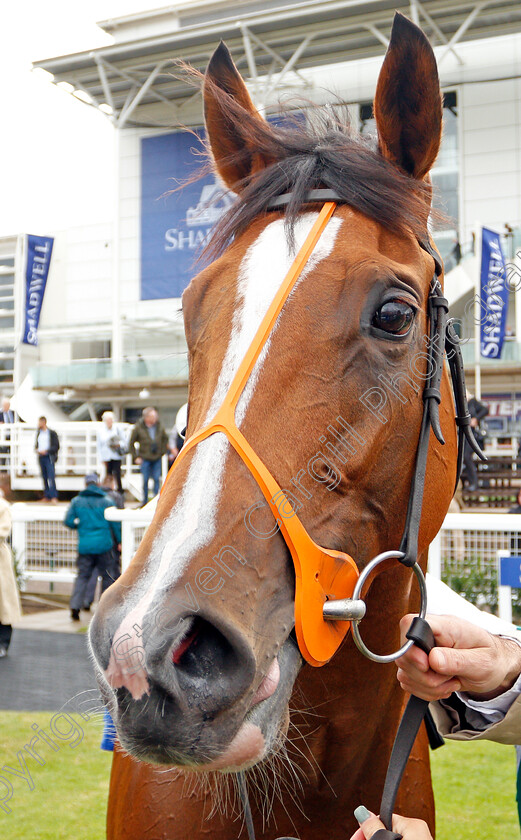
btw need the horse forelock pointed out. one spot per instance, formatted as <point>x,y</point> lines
<point>322,150</point>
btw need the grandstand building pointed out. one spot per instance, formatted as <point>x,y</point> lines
<point>111,334</point>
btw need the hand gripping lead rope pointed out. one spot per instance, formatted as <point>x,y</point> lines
<point>421,635</point>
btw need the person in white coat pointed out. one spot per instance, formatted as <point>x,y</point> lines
<point>10,610</point>
<point>112,445</point>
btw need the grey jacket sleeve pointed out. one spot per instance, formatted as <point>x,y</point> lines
<point>492,722</point>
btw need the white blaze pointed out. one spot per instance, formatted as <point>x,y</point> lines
<point>191,524</point>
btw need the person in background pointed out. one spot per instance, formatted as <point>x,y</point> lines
<point>148,443</point>
<point>175,444</point>
<point>515,540</point>
<point>477,411</point>
<point>6,416</point>
<point>178,434</point>
<point>47,446</point>
<point>111,445</point>
<point>96,538</point>
<point>10,610</point>
<point>109,486</point>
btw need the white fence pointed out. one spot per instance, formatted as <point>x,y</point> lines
<point>133,526</point>
<point>46,550</point>
<point>77,457</point>
<point>472,540</point>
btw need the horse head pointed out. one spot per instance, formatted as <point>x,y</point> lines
<point>194,645</point>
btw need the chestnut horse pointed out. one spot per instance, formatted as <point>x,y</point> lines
<point>194,645</point>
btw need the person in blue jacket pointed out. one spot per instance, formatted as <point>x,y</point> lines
<point>96,538</point>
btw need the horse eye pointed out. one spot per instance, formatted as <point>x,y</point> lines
<point>394,317</point>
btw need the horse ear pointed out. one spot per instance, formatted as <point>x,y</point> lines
<point>408,104</point>
<point>226,100</point>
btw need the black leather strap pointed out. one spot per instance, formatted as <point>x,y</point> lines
<point>463,417</point>
<point>422,635</point>
<point>311,196</point>
<point>438,309</point>
<point>409,543</point>
<point>384,834</point>
<point>405,738</point>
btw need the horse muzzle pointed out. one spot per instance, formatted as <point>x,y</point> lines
<point>194,693</point>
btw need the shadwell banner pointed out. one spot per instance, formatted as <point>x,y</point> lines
<point>39,252</point>
<point>174,224</point>
<point>494,295</point>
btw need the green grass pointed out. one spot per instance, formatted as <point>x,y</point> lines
<point>70,792</point>
<point>475,791</point>
<point>474,786</point>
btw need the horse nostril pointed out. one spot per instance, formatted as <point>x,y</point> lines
<point>204,651</point>
<point>189,641</point>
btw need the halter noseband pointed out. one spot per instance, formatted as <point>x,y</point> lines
<point>326,577</point>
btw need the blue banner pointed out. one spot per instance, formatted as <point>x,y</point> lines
<point>174,225</point>
<point>39,251</point>
<point>494,295</point>
<point>510,572</point>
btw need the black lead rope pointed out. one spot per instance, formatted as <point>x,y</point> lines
<point>245,800</point>
<point>422,636</point>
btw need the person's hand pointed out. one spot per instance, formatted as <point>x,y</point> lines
<point>409,828</point>
<point>466,658</point>
<point>139,460</point>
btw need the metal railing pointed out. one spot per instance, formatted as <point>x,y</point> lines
<point>45,549</point>
<point>511,353</point>
<point>467,543</point>
<point>77,457</point>
<point>471,541</point>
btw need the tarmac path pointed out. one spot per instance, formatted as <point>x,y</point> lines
<point>46,671</point>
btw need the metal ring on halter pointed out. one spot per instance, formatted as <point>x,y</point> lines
<point>364,574</point>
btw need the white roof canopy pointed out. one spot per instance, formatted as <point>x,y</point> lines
<point>135,81</point>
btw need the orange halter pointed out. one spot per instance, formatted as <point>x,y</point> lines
<point>321,574</point>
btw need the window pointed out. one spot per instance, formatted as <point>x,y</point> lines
<point>94,349</point>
